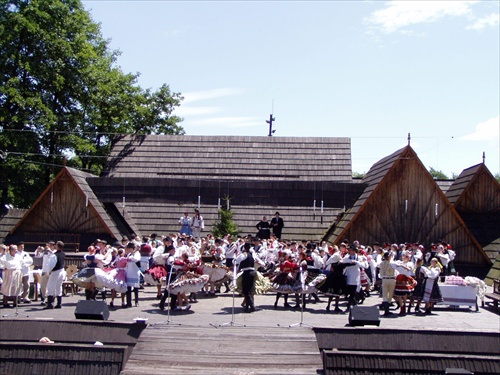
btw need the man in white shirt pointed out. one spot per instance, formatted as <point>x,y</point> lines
<point>26,262</point>
<point>353,274</point>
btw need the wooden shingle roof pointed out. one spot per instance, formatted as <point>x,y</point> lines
<point>461,183</point>
<point>9,221</point>
<point>229,157</point>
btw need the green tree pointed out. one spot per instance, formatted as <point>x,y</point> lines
<point>438,175</point>
<point>497,177</point>
<point>62,95</point>
<point>225,224</point>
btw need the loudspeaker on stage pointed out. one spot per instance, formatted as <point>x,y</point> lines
<point>364,315</point>
<point>94,310</point>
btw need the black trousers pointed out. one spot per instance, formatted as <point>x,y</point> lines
<point>351,293</point>
<point>247,284</point>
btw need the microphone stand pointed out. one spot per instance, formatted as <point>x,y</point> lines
<point>168,321</point>
<point>232,323</point>
<point>16,312</point>
<point>301,323</point>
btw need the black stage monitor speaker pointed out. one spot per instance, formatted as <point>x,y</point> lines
<point>95,310</point>
<point>364,316</point>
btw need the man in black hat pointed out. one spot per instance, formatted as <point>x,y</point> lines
<point>277,224</point>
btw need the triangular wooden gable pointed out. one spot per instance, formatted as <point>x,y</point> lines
<point>68,205</point>
<point>494,273</point>
<point>402,202</point>
<point>475,195</point>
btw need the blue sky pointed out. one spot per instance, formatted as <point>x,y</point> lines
<point>373,71</point>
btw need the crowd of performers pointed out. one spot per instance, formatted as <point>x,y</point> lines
<point>15,264</point>
<point>180,267</point>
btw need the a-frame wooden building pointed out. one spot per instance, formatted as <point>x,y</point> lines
<point>475,194</point>
<point>403,203</point>
<point>67,210</point>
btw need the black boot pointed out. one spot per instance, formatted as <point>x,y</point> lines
<point>286,305</point>
<point>103,296</point>
<point>88,294</point>
<point>278,295</point>
<point>129,297</point>
<point>136,297</point>
<point>59,300</point>
<point>173,301</point>
<point>94,294</point>
<point>386,306</point>
<point>163,299</point>
<point>50,301</point>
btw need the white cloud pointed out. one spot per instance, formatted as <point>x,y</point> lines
<point>195,96</point>
<point>184,111</point>
<point>485,131</point>
<point>489,21</point>
<point>402,13</point>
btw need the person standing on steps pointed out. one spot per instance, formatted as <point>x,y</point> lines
<point>185,222</point>
<point>197,225</point>
<point>263,228</point>
<point>277,224</point>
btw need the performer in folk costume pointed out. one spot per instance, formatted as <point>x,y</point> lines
<point>26,262</point>
<point>185,222</point>
<point>432,293</point>
<point>354,264</point>
<point>12,276</point>
<point>264,229</point>
<point>119,275</point>
<point>418,292</point>
<point>90,262</point>
<point>388,276</point>
<point>56,278</point>
<point>133,270</point>
<point>45,253</point>
<point>335,284</point>
<point>188,280</point>
<point>443,258</point>
<point>245,263</point>
<point>158,271</point>
<point>197,225</point>
<point>285,282</point>
<point>405,283</point>
<point>309,281</point>
<point>315,266</point>
<point>170,277</point>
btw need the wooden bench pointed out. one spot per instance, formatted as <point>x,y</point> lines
<point>495,296</point>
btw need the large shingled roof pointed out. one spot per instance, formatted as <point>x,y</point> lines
<point>228,157</point>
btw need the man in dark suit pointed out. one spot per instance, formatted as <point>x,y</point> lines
<point>277,224</point>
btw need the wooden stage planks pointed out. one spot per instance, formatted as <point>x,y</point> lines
<point>169,349</point>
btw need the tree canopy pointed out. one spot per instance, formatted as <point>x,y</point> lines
<point>437,174</point>
<point>62,96</point>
